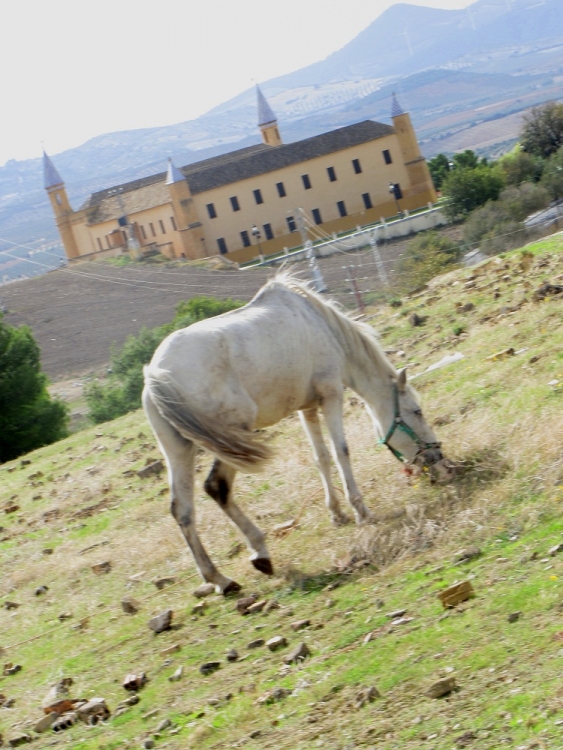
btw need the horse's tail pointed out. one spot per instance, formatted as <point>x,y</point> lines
<point>233,445</point>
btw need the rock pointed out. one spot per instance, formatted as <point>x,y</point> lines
<point>367,695</point>
<point>278,641</point>
<point>514,616</point>
<point>416,320</point>
<point>19,739</point>
<point>161,622</point>
<point>256,607</point>
<point>396,614</point>
<point>64,616</point>
<point>441,688</point>
<point>40,590</point>
<point>59,691</point>
<point>102,568</point>
<point>130,606</point>
<point>271,605</point>
<point>503,354</point>
<point>11,669</point>
<point>171,649</point>
<point>199,608</point>
<point>465,739</point>
<point>148,744</point>
<point>300,625</point>
<point>134,681</point>
<point>164,724</point>
<point>246,602</point>
<point>272,696</point>
<point>131,701</point>
<point>298,654</point>
<point>64,722</point>
<point>454,595</point>
<point>206,589</point>
<point>232,655</point>
<point>161,583</point>
<point>155,467</point>
<point>466,308</point>
<point>553,551</point>
<point>44,723</point>
<point>93,711</point>
<point>257,643</point>
<point>11,605</point>
<point>466,555</point>
<point>209,667</point>
<point>177,676</point>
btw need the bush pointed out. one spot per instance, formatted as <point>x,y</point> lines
<point>519,166</point>
<point>542,133</point>
<point>552,178</point>
<point>29,418</point>
<point>122,392</point>
<point>428,255</point>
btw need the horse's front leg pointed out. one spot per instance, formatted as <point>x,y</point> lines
<point>310,421</point>
<point>332,412</point>
<point>219,486</point>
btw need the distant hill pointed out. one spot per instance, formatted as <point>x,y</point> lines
<point>465,76</point>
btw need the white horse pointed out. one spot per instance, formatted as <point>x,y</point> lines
<point>216,382</point>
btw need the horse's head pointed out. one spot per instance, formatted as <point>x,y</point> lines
<point>409,436</point>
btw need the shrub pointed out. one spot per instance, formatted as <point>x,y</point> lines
<point>428,255</point>
<point>519,166</point>
<point>122,391</point>
<point>29,418</point>
<point>468,188</point>
<point>552,178</point>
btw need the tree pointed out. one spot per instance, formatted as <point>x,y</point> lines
<point>439,167</point>
<point>468,188</point>
<point>542,132</point>
<point>122,392</point>
<point>552,177</point>
<point>467,159</point>
<point>519,166</point>
<point>29,418</point>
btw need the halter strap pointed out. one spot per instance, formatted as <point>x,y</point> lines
<point>399,423</point>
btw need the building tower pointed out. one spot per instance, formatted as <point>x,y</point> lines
<point>267,121</point>
<point>186,219</point>
<point>55,188</point>
<point>417,169</point>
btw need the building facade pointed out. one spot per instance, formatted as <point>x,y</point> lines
<point>247,201</point>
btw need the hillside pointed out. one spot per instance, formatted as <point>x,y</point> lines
<point>78,521</point>
<point>488,64</point>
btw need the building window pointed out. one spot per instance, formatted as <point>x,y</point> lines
<point>143,232</point>
<point>397,192</point>
<point>367,200</point>
<point>342,208</point>
<point>258,196</point>
<point>317,216</point>
<point>222,245</point>
<point>268,232</point>
<point>291,224</point>
<point>235,203</point>
<point>211,211</point>
<point>331,174</point>
<point>173,222</point>
<point>245,238</point>
<point>58,199</point>
<point>162,229</point>
<point>100,243</point>
<point>152,229</point>
<point>306,181</point>
<point>387,157</point>
<point>281,189</point>
<point>357,166</point>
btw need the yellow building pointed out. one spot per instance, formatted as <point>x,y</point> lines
<point>230,203</point>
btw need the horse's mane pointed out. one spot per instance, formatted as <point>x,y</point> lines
<point>357,339</point>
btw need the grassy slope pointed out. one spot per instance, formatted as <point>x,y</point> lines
<point>500,417</point>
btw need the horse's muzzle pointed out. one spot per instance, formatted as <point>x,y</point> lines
<point>442,469</point>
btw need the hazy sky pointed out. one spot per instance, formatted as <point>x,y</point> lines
<point>73,69</point>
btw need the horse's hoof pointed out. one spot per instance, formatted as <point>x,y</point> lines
<point>264,565</point>
<point>340,520</point>
<point>367,519</point>
<point>231,588</point>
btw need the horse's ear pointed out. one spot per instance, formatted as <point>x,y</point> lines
<point>402,380</point>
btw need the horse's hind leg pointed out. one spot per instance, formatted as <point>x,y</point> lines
<point>219,486</point>
<point>310,421</point>
<point>180,459</point>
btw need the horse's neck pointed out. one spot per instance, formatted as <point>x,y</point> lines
<point>374,385</point>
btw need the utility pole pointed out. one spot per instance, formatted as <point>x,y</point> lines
<point>315,271</point>
<point>378,260</point>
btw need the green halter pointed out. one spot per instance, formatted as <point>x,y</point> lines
<point>399,423</point>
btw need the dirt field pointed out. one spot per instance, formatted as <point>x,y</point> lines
<point>76,314</point>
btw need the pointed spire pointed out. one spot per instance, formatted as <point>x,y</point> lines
<point>51,177</point>
<point>396,108</point>
<point>173,174</point>
<point>266,115</point>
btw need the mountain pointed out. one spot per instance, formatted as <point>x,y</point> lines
<point>465,75</point>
